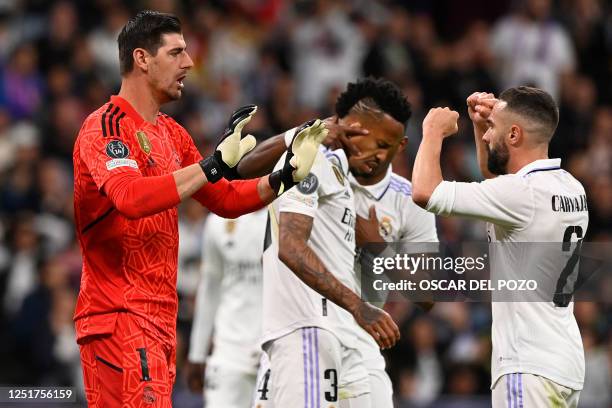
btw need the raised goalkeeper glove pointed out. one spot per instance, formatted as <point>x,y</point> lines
<point>231,148</point>
<point>300,156</point>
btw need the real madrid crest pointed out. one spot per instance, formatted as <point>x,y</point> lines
<point>385,227</point>
<point>143,141</point>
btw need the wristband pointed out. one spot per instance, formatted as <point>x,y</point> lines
<point>274,179</point>
<point>211,168</point>
<point>281,180</point>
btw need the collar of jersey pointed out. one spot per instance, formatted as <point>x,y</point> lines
<point>128,109</point>
<point>377,190</point>
<point>540,165</point>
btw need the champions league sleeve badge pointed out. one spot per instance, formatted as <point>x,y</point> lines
<point>309,185</point>
<point>117,150</point>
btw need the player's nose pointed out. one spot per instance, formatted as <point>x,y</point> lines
<point>485,137</point>
<point>188,62</point>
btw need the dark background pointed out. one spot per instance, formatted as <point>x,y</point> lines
<point>58,62</point>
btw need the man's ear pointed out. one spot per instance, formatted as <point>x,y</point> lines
<point>402,144</point>
<point>141,59</point>
<point>516,135</point>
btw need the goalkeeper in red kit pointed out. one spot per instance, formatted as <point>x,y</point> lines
<point>132,166</point>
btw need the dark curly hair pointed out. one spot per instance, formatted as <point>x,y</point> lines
<point>377,93</point>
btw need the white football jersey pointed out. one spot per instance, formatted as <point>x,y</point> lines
<point>540,203</point>
<point>288,303</point>
<point>229,293</point>
<point>400,220</point>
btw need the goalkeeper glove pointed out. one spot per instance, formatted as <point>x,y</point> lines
<point>300,156</point>
<point>231,148</point>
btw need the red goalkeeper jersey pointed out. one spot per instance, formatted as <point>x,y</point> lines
<point>130,263</point>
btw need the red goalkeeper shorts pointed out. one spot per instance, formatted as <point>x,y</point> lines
<point>128,369</point>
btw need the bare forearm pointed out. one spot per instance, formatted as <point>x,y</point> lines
<point>479,106</point>
<point>427,173</point>
<point>261,160</point>
<point>189,180</point>
<point>266,193</point>
<point>482,152</point>
<point>307,266</point>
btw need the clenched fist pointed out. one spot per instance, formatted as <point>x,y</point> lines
<point>440,122</point>
<point>480,105</point>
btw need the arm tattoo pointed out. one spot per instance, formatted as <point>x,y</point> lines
<point>300,258</point>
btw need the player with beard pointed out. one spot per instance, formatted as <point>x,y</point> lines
<point>132,167</point>
<point>492,159</point>
<point>538,357</point>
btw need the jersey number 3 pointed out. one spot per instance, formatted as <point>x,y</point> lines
<point>332,375</point>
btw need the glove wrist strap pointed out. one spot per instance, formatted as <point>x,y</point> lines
<point>274,179</point>
<point>212,169</point>
<point>281,180</point>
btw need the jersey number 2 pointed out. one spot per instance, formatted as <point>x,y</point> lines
<point>561,299</point>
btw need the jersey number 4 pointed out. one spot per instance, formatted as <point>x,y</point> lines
<point>263,391</point>
<point>330,374</point>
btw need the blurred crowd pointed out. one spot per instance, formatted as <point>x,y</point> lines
<point>59,62</point>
